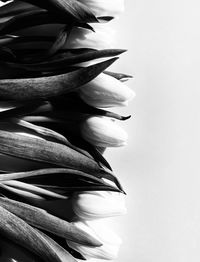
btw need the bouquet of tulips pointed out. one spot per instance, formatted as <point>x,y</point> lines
<point>55,91</point>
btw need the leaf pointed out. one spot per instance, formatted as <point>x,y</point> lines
<point>27,108</point>
<point>104,19</point>
<point>59,42</point>
<point>46,151</point>
<point>34,18</point>
<point>56,176</point>
<point>72,128</point>
<point>67,59</point>
<point>18,231</point>
<point>27,19</point>
<point>43,87</point>
<point>18,39</point>
<point>15,8</point>
<point>49,134</point>
<point>72,189</point>
<point>41,219</point>
<point>75,9</point>
<point>33,189</point>
<point>21,193</point>
<point>119,76</point>
<point>64,254</point>
<point>6,39</point>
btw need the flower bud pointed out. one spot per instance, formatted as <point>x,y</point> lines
<point>103,132</point>
<point>105,7</point>
<point>97,228</point>
<point>102,38</point>
<point>91,205</point>
<point>106,91</point>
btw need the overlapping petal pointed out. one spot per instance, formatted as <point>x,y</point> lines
<point>106,91</point>
<point>103,132</point>
<point>98,204</point>
<point>105,7</point>
<point>111,241</point>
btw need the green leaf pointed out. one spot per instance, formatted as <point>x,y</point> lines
<point>43,87</point>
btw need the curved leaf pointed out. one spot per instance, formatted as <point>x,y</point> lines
<point>42,219</point>
<point>43,87</point>
<point>18,231</point>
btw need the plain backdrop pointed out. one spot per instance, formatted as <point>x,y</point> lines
<point>160,167</point>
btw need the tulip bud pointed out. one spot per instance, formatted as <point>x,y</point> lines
<point>102,38</point>
<point>103,132</point>
<point>91,205</point>
<point>105,91</point>
<point>105,7</point>
<point>111,242</point>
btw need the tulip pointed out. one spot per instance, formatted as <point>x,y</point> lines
<point>105,91</point>
<point>102,38</point>
<point>105,7</point>
<point>103,132</point>
<point>91,205</point>
<point>97,228</point>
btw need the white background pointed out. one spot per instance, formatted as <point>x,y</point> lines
<point>160,167</point>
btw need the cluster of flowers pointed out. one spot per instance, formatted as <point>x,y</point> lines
<point>55,90</point>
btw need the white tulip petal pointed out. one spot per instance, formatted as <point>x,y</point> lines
<point>103,132</point>
<point>98,204</point>
<point>102,38</point>
<point>105,7</point>
<point>111,241</point>
<point>106,91</point>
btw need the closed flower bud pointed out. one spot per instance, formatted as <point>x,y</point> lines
<point>98,204</point>
<point>103,132</point>
<point>102,38</point>
<point>106,91</point>
<point>105,7</point>
<point>111,242</point>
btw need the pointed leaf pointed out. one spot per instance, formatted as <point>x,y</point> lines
<point>18,231</point>
<point>43,87</point>
<point>119,76</point>
<point>46,151</point>
<point>59,42</point>
<point>74,8</point>
<point>52,173</point>
<point>63,253</point>
<point>33,189</point>
<point>26,108</point>
<point>16,7</point>
<point>67,60</point>
<point>41,219</point>
<point>21,193</point>
<point>49,134</point>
